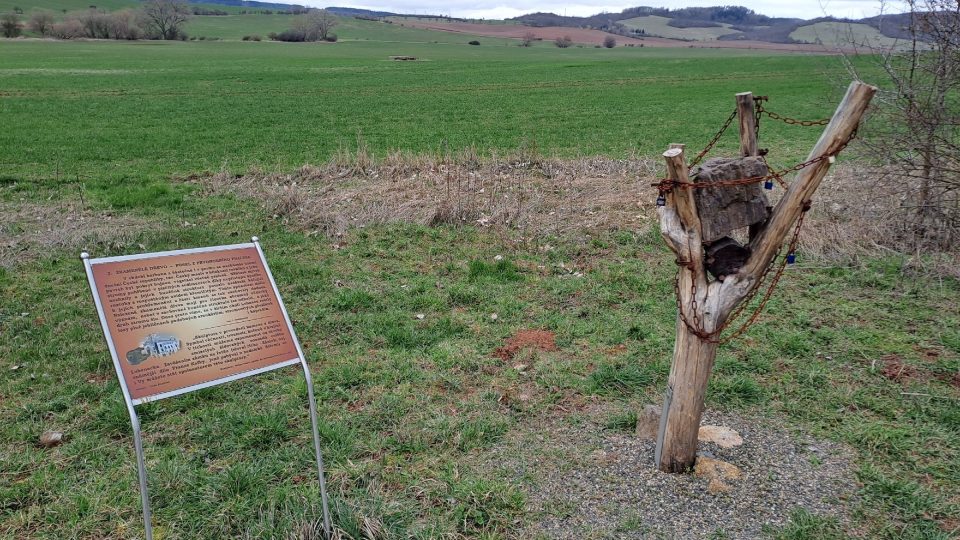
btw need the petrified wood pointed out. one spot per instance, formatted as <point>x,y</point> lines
<point>726,208</point>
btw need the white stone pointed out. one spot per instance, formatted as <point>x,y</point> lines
<point>722,436</point>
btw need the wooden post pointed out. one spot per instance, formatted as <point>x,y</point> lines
<point>748,124</point>
<point>746,112</point>
<point>709,304</point>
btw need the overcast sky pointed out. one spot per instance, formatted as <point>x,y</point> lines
<point>499,9</point>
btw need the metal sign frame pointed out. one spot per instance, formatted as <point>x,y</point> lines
<point>132,403</point>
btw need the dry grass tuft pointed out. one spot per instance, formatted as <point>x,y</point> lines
<point>524,192</point>
<point>29,231</point>
<point>854,213</point>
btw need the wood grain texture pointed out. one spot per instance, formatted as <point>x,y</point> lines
<point>726,208</point>
<point>748,124</point>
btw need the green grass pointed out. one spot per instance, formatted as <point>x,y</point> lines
<point>236,26</point>
<point>839,34</point>
<point>409,406</point>
<point>120,112</point>
<point>658,26</point>
<point>58,6</point>
<point>497,22</point>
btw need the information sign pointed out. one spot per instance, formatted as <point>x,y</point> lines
<point>184,320</point>
<point>178,321</point>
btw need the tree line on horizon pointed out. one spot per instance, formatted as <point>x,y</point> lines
<point>155,19</point>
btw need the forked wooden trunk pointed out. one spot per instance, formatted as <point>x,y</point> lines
<point>706,304</point>
<point>686,387</point>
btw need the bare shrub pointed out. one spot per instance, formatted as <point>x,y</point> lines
<point>41,22</point>
<point>359,162</point>
<point>68,29</point>
<point>855,216</point>
<point>125,24</point>
<point>289,202</point>
<point>609,42</point>
<point>10,24</point>
<point>563,42</point>
<point>915,131</point>
<point>315,25</point>
<point>291,34</point>
<point>95,24</point>
<point>528,39</point>
<point>164,19</point>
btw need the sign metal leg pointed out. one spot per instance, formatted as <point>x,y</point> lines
<point>316,445</point>
<point>142,473</point>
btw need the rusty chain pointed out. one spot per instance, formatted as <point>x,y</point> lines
<point>666,185</point>
<point>760,110</point>
<point>696,327</point>
<point>769,292</point>
<point>776,175</point>
<point>706,150</point>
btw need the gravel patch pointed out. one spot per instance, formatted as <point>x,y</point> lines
<point>583,481</point>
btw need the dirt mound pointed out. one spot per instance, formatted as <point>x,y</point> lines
<point>895,370</point>
<point>542,340</point>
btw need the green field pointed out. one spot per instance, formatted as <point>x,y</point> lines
<point>657,26</point>
<point>237,26</point>
<point>400,19</point>
<point>125,137</point>
<point>68,5</point>
<point>838,34</point>
<point>148,110</point>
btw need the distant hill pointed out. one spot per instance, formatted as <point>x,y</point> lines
<point>357,12</point>
<point>250,4</point>
<point>726,23</point>
<point>709,15</point>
